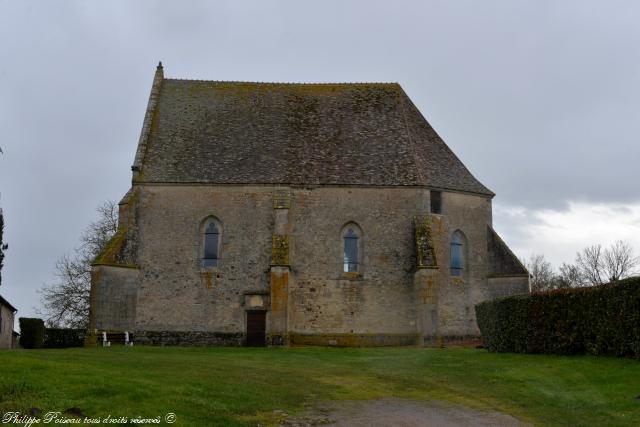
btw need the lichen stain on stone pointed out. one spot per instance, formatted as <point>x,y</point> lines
<point>280,250</point>
<point>383,258</point>
<point>428,293</point>
<point>279,290</point>
<point>351,275</point>
<point>207,276</point>
<point>108,254</point>
<point>281,200</point>
<point>425,251</point>
<point>438,236</point>
<point>112,254</point>
<point>457,281</point>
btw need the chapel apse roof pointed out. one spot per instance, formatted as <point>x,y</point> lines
<point>298,134</point>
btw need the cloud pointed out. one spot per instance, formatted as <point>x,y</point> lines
<point>541,100</point>
<point>559,234</point>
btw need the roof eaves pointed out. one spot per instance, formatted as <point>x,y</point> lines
<point>310,185</point>
<point>8,304</point>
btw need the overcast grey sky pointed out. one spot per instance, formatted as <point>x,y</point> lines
<point>540,99</point>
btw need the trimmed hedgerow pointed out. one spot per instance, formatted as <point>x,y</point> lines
<point>63,338</point>
<point>31,332</point>
<point>599,320</point>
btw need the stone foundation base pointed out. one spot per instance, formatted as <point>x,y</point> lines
<point>452,341</point>
<point>277,340</point>
<point>189,338</point>
<point>354,340</point>
<point>237,339</point>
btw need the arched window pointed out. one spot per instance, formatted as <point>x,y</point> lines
<point>351,248</point>
<point>457,253</point>
<point>211,243</point>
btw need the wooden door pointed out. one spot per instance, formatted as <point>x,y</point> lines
<point>256,328</point>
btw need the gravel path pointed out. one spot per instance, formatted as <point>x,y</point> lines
<point>399,413</point>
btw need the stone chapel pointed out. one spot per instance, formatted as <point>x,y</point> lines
<point>283,214</point>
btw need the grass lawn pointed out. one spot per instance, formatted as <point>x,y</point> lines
<point>243,386</point>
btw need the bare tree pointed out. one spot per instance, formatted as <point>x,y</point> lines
<point>541,271</point>
<point>569,276</point>
<point>598,266</point>
<point>66,302</point>
<point>619,261</point>
<point>590,263</point>
<point>3,246</point>
<point>96,236</point>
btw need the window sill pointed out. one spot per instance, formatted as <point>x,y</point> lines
<point>351,275</point>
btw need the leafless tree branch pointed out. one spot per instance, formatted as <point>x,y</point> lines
<point>541,272</point>
<point>66,302</point>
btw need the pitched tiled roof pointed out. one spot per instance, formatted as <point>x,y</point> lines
<point>7,303</point>
<point>502,262</point>
<point>299,134</point>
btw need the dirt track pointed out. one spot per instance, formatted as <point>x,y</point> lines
<point>399,413</point>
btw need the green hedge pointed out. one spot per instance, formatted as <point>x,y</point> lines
<point>63,338</point>
<point>601,320</point>
<point>31,332</point>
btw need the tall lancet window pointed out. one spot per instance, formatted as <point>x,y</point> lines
<point>211,245</point>
<point>457,253</point>
<point>351,249</point>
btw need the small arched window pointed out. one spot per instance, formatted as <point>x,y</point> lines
<point>351,248</point>
<point>457,253</point>
<point>211,245</point>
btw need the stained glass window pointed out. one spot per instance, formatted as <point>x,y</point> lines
<point>211,241</point>
<point>350,251</point>
<point>457,254</point>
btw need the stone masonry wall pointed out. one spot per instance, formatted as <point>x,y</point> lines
<point>6,328</point>
<point>323,300</point>
<point>505,286</point>
<point>455,297</point>
<point>176,293</point>
<point>387,299</point>
<point>114,296</point>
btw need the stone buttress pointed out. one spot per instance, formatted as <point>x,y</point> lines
<point>277,332</point>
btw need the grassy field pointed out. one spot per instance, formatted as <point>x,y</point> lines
<point>243,386</point>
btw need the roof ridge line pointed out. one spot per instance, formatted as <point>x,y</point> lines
<point>286,83</point>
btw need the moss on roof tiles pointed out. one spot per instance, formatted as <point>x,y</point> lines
<point>291,133</point>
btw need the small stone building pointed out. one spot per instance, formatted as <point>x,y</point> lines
<point>7,320</point>
<point>328,214</point>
